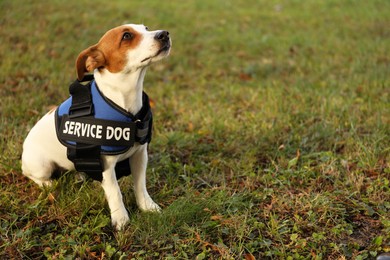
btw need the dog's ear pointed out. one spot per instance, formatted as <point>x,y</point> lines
<point>88,60</point>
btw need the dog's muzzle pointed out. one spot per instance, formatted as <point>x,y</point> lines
<point>162,37</point>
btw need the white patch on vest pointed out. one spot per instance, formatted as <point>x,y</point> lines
<point>118,133</point>
<point>83,129</point>
<point>96,131</point>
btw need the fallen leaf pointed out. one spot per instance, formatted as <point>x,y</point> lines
<point>152,103</point>
<point>249,257</point>
<point>216,217</point>
<point>51,198</point>
<point>245,77</point>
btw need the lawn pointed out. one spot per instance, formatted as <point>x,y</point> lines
<point>271,135</point>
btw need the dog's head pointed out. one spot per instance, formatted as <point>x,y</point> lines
<point>124,49</point>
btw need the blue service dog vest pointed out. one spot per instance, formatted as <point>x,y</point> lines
<point>90,125</point>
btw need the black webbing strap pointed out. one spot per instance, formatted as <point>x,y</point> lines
<point>144,122</point>
<point>86,157</point>
<point>81,98</point>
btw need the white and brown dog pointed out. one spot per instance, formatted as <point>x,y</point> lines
<point>118,62</point>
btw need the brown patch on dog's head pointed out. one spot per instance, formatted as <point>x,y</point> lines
<point>110,52</point>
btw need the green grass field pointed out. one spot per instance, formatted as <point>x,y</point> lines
<point>271,137</point>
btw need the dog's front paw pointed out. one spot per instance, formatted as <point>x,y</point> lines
<point>149,205</point>
<point>119,219</point>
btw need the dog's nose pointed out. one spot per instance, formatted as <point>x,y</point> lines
<point>162,36</point>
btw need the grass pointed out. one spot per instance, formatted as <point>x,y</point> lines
<point>271,131</point>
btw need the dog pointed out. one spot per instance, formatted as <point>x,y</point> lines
<point>118,63</point>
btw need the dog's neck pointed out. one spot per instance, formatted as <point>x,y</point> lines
<point>125,90</point>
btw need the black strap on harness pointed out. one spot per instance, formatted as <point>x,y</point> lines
<point>87,156</point>
<point>81,98</point>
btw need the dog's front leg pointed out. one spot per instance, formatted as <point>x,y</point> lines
<point>119,215</point>
<point>138,163</point>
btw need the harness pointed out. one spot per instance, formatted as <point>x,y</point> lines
<point>90,125</point>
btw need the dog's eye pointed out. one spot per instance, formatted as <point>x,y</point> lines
<point>127,36</point>
<point>146,28</point>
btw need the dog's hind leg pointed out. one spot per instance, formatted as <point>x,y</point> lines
<point>37,169</point>
<point>43,153</point>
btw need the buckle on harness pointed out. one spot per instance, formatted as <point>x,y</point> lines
<point>91,166</point>
<point>80,109</point>
<point>86,158</point>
